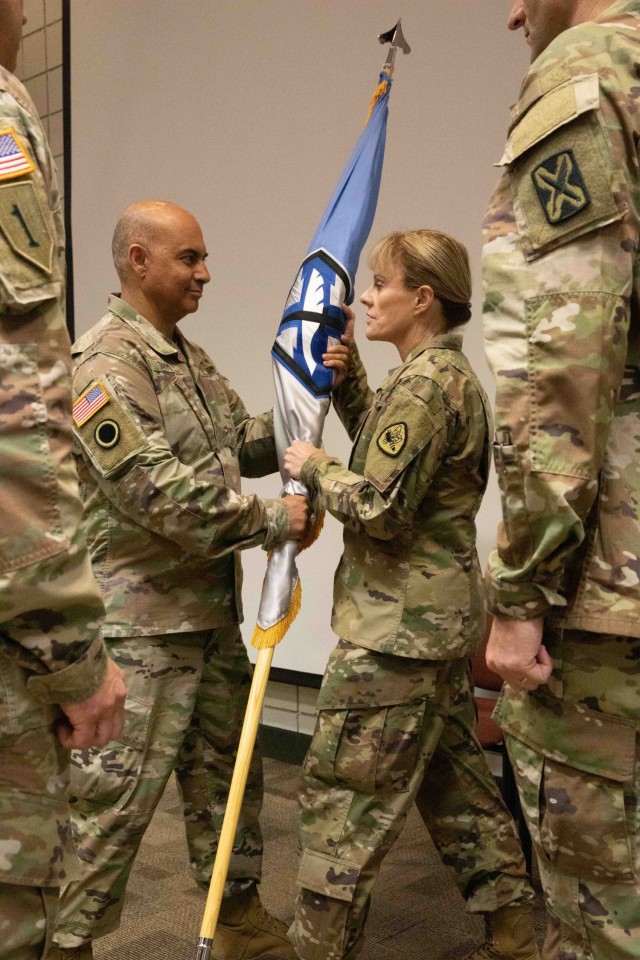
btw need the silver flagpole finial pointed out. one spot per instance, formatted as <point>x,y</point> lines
<point>397,40</point>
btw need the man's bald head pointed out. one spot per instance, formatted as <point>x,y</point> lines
<point>142,222</point>
<point>159,254</point>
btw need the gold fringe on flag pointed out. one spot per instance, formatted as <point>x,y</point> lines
<point>380,91</point>
<point>271,637</point>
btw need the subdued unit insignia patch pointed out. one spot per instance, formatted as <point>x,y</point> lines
<point>107,434</point>
<point>89,403</point>
<point>393,439</point>
<point>561,190</point>
<point>24,225</point>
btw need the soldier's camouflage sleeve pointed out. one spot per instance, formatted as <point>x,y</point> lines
<point>561,238</point>
<point>353,397</point>
<point>50,606</point>
<point>257,452</point>
<point>385,498</point>
<point>191,504</point>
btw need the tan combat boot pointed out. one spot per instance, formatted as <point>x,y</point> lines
<point>509,935</point>
<point>70,953</point>
<point>246,931</point>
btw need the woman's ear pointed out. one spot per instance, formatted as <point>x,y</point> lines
<point>425,296</point>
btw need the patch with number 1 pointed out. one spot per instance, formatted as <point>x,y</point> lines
<point>24,225</point>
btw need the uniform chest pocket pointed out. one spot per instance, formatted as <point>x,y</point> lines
<point>189,430</point>
<point>561,169</point>
<point>30,523</point>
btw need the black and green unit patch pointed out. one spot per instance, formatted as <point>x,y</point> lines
<point>393,439</point>
<point>560,187</point>
<point>107,434</point>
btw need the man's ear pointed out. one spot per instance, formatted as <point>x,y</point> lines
<point>138,259</point>
<point>424,298</point>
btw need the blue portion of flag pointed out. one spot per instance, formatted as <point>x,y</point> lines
<point>346,223</point>
<point>326,277</point>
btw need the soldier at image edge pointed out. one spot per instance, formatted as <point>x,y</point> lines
<point>560,266</point>
<point>59,689</point>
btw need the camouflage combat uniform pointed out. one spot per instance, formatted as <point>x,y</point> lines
<point>50,606</point>
<point>562,334</point>
<point>164,440</point>
<point>396,711</point>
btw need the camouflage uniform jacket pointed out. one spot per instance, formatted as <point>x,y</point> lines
<point>50,606</point>
<point>163,447</point>
<point>409,581</point>
<point>562,291</point>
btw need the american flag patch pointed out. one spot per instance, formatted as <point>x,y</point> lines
<point>89,403</point>
<point>14,161</point>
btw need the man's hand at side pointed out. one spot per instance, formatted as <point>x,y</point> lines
<point>97,720</point>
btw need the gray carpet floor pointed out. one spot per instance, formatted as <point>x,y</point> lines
<point>416,914</point>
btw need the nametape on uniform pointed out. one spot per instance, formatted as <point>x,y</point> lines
<point>560,187</point>
<point>88,404</point>
<point>393,439</point>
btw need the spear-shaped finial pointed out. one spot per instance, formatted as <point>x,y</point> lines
<point>396,38</point>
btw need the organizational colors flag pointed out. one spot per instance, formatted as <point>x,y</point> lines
<point>312,320</point>
<point>90,402</point>
<point>14,161</point>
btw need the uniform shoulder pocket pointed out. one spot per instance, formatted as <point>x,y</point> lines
<point>561,169</point>
<point>107,430</point>
<point>27,231</point>
<point>403,430</point>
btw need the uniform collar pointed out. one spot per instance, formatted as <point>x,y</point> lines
<point>156,340</point>
<point>541,78</point>
<point>445,341</point>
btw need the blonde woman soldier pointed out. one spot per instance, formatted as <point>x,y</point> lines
<point>396,712</point>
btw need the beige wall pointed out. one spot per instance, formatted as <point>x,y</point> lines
<point>244,111</point>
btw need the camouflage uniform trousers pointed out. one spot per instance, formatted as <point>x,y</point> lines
<point>186,698</point>
<point>580,792</point>
<point>27,916</point>
<point>34,809</point>
<point>392,730</point>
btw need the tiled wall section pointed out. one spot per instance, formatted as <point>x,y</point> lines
<point>289,707</point>
<point>40,69</point>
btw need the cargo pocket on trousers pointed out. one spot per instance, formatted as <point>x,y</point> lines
<point>583,824</point>
<point>108,775</point>
<point>327,887</point>
<point>575,768</point>
<point>368,749</point>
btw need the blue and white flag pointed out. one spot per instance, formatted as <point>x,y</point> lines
<point>312,320</point>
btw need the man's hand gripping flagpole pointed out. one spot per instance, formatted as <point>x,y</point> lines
<point>313,319</point>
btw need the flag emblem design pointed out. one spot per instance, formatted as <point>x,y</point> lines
<point>14,161</point>
<point>89,403</point>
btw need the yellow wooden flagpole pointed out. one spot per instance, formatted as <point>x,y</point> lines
<point>234,802</point>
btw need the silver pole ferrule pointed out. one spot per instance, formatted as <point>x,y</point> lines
<point>204,948</point>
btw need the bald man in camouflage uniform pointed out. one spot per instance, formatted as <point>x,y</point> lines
<point>562,335</point>
<point>51,653</point>
<point>163,440</point>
